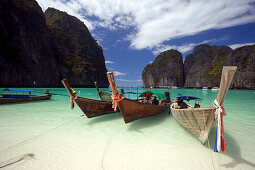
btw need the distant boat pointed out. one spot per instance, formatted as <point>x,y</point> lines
<point>90,107</point>
<point>205,88</point>
<point>132,109</point>
<point>174,87</point>
<point>103,95</point>
<point>201,120</point>
<point>215,88</point>
<point>15,95</point>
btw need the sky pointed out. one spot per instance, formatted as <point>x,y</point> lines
<point>133,33</point>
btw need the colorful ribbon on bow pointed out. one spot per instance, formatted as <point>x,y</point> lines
<point>115,99</point>
<point>72,102</point>
<point>219,137</point>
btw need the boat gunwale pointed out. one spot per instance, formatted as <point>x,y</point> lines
<point>92,100</point>
<point>149,104</point>
<point>194,109</point>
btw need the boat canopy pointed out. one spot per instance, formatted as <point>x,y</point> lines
<point>13,89</point>
<point>151,93</point>
<point>188,98</point>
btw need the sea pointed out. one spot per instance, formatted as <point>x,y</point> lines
<point>46,135</point>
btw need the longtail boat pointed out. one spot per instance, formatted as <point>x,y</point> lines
<point>131,109</point>
<point>91,108</point>
<point>12,95</point>
<point>201,120</point>
<point>103,95</point>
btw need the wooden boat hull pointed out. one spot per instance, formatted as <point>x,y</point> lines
<point>198,120</point>
<point>92,108</point>
<point>201,120</point>
<point>105,96</point>
<point>20,100</point>
<point>132,110</point>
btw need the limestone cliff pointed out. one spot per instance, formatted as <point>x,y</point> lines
<point>244,59</point>
<point>32,51</point>
<point>203,67</point>
<point>27,53</point>
<point>166,70</point>
<point>79,51</point>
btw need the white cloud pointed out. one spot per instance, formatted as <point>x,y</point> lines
<point>110,68</point>
<point>72,7</point>
<point>182,48</point>
<point>117,73</point>
<point>109,62</point>
<point>157,21</point>
<point>234,46</point>
<point>125,80</point>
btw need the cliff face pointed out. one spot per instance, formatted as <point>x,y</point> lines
<point>32,51</point>
<point>26,48</point>
<point>81,54</point>
<point>166,70</point>
<point>203,67</point>
<point>244,59</point>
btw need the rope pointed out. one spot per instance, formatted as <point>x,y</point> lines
<point>107,146</point>
<point>35,137</point>
<point>208,143</point>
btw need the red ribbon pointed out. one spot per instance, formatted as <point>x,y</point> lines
<point>223,144</point>
<point>72,102</point>
<point>223,111</point>
<point>115,99</point>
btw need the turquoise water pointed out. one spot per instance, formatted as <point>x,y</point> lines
<point>60,138</point>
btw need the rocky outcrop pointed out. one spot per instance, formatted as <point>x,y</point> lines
<point>165,71</point>
<point>27,52</point>
<point>82,56</point>
<point>244,59</point>
<point>203,67</point>
<point>32,51</point>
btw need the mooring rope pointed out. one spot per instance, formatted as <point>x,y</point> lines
<point>107,146</point>
<point>208,142</point>
<point>35,137</point>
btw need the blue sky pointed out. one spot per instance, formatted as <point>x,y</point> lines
<point>132,33</point>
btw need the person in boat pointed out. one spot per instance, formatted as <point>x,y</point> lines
<point>147,99</point>
<point>167,100</point>
<point>122,92</point>
<point>197,105</point>
<point>167,94</point>
<point>155,101</point>
<point>181,103</point>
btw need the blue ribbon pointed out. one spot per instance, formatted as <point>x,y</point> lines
<point>215,143</point>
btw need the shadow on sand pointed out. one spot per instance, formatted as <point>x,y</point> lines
<point>148,122</point>
<point>105,118</point>
<point>16,160</point>
<point>233,150</point>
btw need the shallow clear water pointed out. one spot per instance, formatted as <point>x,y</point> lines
<point>60,138</point>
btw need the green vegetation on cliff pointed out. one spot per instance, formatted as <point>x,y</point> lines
<point>32,51</point>
<point>168,65</point>
<point>79,51</point>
